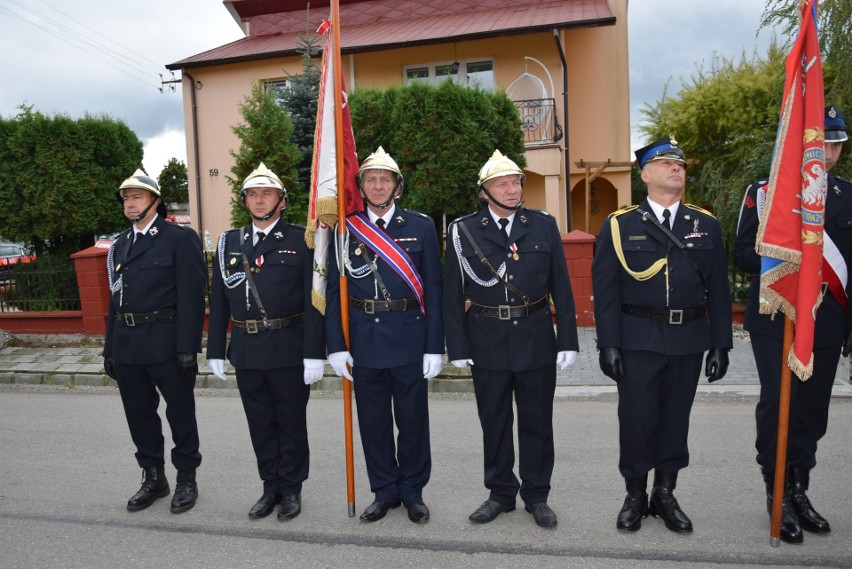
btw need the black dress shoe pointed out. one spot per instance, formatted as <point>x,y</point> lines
<point>489,510</point>
<point>542,514</point>
<point>291,506</point>
<point>377,510</point>
<point>664,505</point>
<point>791,531</point>
<point>418,512</point>
<point>186,491</point>
<point>809,518</point>
<point>634,509</point>
<point>154,486</point>
<point>264,506</point>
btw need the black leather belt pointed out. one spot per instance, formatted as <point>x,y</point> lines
<point>372,306</point>
<point>506,312</point>
<point>667,316</point>
<point>134,318</point>
<point>255,326</point>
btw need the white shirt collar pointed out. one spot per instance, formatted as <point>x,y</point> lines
<point>658,210</point>
<point>497,219</point>
<point>388,215</point>
<point>145,229</point>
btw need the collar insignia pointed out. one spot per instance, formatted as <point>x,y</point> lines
<point>523,219</point>
<point>153,231</point>
<point>484,221</point>
<point>278,235</point>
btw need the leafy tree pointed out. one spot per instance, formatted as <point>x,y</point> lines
<point>58,178</point>
<point>440,137</point>
<point>300,98</point>
<point>265,137</point>
<point>725,119</point>
<point>173,182</point>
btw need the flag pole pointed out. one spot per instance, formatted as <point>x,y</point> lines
<point>781,447</point>
<point>341,232</point>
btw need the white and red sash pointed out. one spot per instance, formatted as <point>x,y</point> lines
<point>834,271</point>
<point>386,248</point>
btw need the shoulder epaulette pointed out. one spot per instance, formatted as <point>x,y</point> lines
<point>412,212</point>
<point>844,180</point>
<point>539,211</point>
<point>623,210</point>
<point>456,220</point>
<point>702,210</point>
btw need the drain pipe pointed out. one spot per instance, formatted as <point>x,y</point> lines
<point>570,225</point>
<point>195,153</point>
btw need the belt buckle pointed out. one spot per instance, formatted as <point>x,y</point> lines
<point>504,312</point>
<point>251,326</point>
<point>370,306</point>
<point>128,319</point>
<point>675,316</point>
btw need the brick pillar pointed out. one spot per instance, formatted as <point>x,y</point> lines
<point>94,288</point>
<point>579,249</point>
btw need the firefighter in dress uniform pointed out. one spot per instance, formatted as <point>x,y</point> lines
<point>507,260</point>
<point>662,299</point>
<point>397,338</point>
<point>809,400</point>
<point>157,279</point>
<point>262,287</point>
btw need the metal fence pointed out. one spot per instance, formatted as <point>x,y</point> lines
<point>538,121</point>
<point>46,284</point>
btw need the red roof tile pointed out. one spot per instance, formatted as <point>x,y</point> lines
<point>372,25</point>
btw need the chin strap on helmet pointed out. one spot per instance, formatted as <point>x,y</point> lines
<point>500,204</point>
<point>145,211</point>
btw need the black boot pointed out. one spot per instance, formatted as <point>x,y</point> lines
<point>635,504</point>
<point>154,485</point>
<point>791,531</point>
<point>809,518</point>
<point>186,491</point>
<point>664,504</point>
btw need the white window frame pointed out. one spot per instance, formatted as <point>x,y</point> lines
<point>460,77</point>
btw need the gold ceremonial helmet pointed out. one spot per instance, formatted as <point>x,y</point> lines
<point>262,177</point>
<point>139,180</point>
<point>379,160</point>
<point>499,165</point>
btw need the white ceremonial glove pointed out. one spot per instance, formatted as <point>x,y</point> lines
<point>462,363</point>
<point>338,361</point>
<point>432,364</point>
<point>313,370</point>
<point>218,368</point>
<point>566,359</point>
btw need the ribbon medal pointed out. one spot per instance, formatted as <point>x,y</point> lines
<point>514,248</point>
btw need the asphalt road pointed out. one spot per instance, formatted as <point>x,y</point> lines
<point>67,470</point>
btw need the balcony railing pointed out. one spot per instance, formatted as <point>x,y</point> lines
<point>538,121</point>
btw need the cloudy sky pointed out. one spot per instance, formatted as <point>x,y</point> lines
<point>105,56</point>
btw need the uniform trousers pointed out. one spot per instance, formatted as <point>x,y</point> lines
<point>533,391</point>
<point>655,399</point>
<point>275,402</point>
<point>809,403</point>
<point>138,385</point>
<point>396,472</point>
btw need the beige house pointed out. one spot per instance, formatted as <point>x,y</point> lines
<point>529,48</point>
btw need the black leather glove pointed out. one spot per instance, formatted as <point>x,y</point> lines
<point>188,363</point>
<point>109,367</point>
<point>847,345</point>
<point>716,365</point>
<point>611,363</point>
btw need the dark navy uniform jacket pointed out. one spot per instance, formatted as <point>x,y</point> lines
<point>390,339</point>
<point>517,344</point>
<point>832,321</point>
<point>284,284</point>
<point>165,269</point>
<point>642,244</point>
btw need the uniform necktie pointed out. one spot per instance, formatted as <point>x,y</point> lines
<point>260,236</point>
<point>667,215</point>
<point>136,235</point>
<point>381,223</point>
<point>504,223</point>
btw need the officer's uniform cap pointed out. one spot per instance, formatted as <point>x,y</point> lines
<point>662,149</point>
<point>835,125</point>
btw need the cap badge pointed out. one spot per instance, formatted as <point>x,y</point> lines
<point>832,112</point>
<point>672,140</point>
